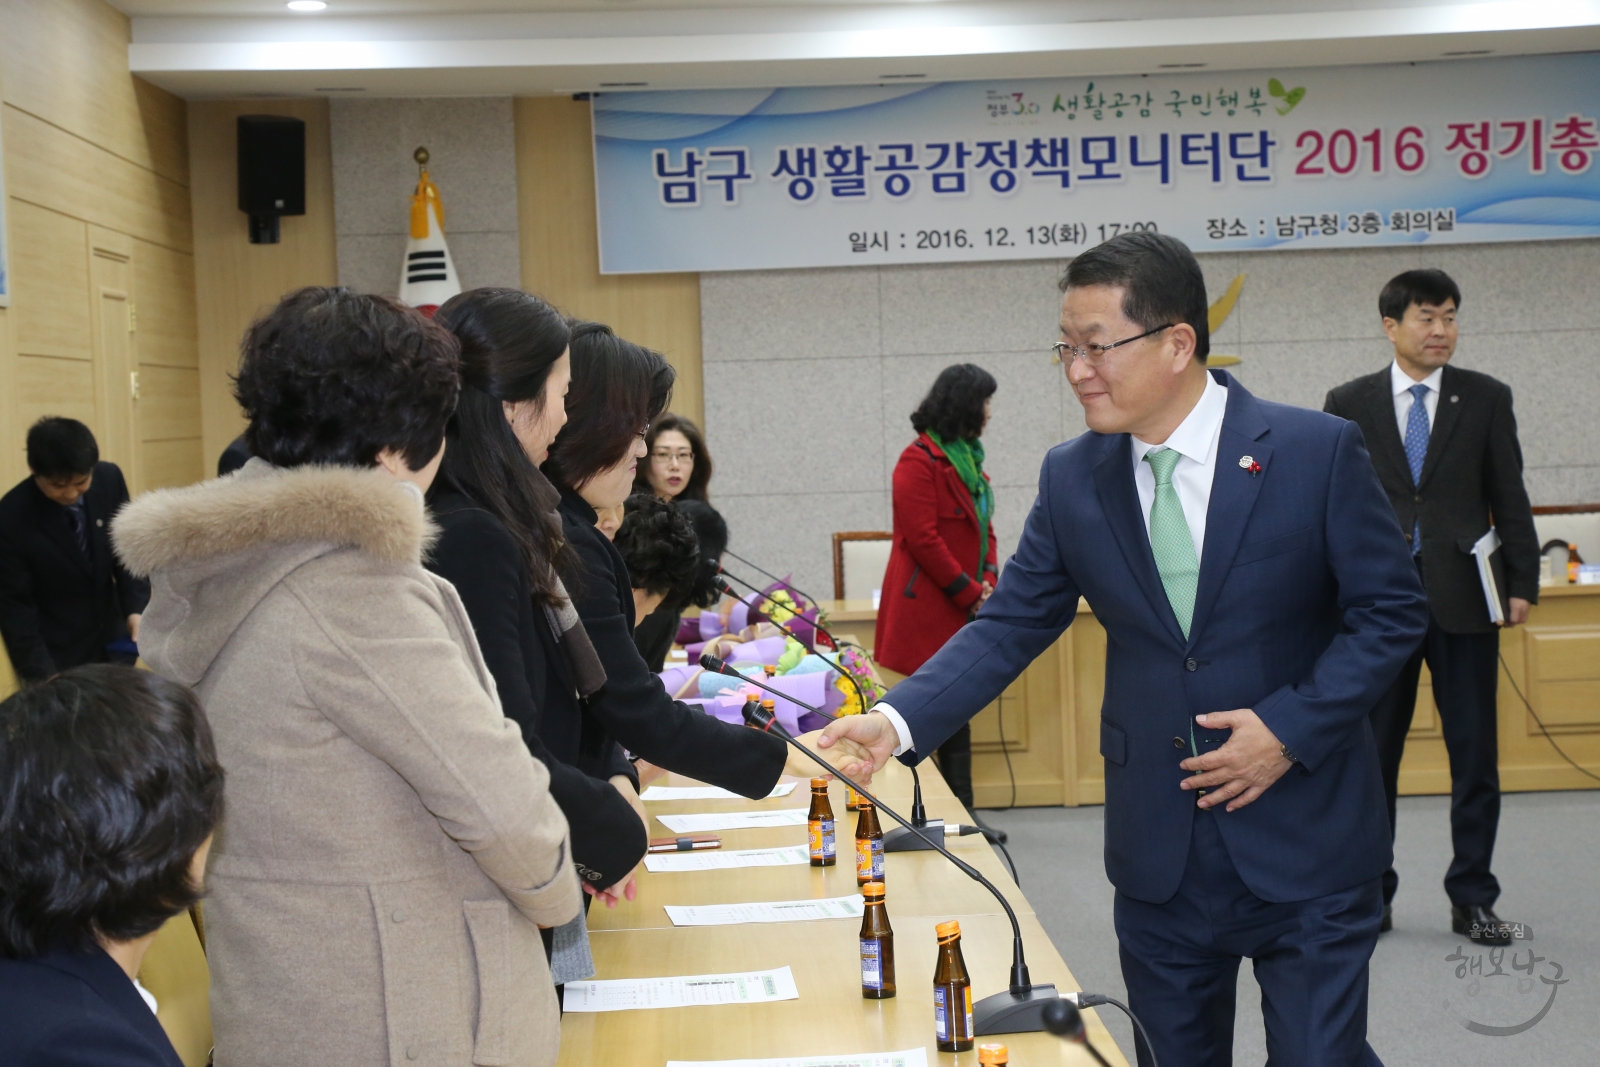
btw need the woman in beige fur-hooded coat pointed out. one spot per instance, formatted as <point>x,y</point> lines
<point>390,848</point>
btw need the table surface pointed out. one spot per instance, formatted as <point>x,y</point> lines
<point>638,940</point>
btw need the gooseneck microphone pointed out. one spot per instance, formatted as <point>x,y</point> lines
<point>768,597</point>
<point>769,574</point>
<point>861,697</point>
<point>1066,1021</point>
<point>1017,1011</point>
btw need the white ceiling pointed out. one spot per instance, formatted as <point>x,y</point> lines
<point>202,48</point>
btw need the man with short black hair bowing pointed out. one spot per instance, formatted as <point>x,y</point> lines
<point>1444,442</point>
<point>1257,598</point>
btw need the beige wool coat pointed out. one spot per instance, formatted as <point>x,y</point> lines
<point>389,847</point>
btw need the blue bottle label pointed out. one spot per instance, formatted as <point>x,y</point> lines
<point>871,964</point>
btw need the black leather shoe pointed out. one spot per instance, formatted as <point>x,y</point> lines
<point>1479,922</point>
<point>1388,919</point>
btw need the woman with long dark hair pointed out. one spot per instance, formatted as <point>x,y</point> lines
<point>679,471</point>
<point>501,546</point>
<point>942,565</point>
<point>617,389</point>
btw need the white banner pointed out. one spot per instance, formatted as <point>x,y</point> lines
<point>1482,150</point>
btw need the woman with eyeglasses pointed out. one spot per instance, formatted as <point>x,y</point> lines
<point>679,470</point>
<point>942,565</point>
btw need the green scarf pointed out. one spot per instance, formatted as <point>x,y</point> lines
<point>967,458</point>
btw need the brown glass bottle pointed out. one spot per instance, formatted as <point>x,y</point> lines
<point>952,992</point>
<point>993,1056</point>
<point>877,945</point>
<point>869,844</point>
<point>819,823</point>
<point>852,799</point>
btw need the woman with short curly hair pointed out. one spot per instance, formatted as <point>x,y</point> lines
<point>391,849</point>
<point>110,790</point>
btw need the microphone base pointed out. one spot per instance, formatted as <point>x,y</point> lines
<point>1004,1013</point>
<point>902,840</point>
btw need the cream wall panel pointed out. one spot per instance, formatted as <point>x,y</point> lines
<point>169,403</point>
<point>47,166</point>
<point>66,62</point>
<point>47,385</point>
<point>235,281</point>
<point>561,255</point>
<point>50,282</point>
<point>163,292</point>
<point>173,463</point>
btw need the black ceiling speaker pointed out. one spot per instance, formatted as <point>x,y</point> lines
<point>272,172</point>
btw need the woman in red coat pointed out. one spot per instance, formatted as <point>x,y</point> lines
<point>942,565</point>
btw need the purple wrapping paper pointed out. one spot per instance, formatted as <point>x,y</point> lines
<point>765,650</point>
<point>688,630</point>
<point>675,678</point>
<point>710,625</point>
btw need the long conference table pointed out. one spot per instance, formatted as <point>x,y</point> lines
<point>830,1018</point>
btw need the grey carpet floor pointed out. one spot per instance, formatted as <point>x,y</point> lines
<point>1548,863</point>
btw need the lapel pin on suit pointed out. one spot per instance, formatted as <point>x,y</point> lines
<point>1249,463</point>
<point>1454,399</point>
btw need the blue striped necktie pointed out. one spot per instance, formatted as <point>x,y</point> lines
<point>1417,451</point>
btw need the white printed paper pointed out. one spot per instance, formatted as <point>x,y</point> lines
<point>781,911</point>
<point>911,1057</point>
<point>1486,546</point>
<point>707,792</point>
<point>657,863</point>
<point>625,994</point>
<point>732,820</point>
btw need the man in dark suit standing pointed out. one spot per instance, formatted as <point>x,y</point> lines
<point>1257,598</point>
<point>1444,442</point>
<point>65,598</point>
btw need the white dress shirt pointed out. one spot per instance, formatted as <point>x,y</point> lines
<point>1195,440</point>
<point>1401,382</point>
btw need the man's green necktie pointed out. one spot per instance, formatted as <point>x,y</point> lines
<point>1173,547</point>
<point>1170,540</point>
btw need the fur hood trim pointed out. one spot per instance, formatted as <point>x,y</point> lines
<point>261,504</point>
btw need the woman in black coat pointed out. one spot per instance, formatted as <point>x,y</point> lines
<point>499,543</point>
<point>617,388</point>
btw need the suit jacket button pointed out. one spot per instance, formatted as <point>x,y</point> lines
<point>1177,742</point>
<point>398,916</point>
<point>1191,664</point>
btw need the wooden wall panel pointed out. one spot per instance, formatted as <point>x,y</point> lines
<point>50,282</point>
<point>163,294</point>
<point>561,252</point>
<point>173,463</point>
<point>48,385</point>
<point>98,204</point>
<point>47,166</point>
<point>169,403</point>
<point>235,280</point>
<point>66,63</point>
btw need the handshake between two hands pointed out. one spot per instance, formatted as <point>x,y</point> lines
<point>1236,774</point>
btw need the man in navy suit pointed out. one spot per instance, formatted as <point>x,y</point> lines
<point>1258,597</point>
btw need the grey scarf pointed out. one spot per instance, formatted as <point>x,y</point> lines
<point>583,662</point>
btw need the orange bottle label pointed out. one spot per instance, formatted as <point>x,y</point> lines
<point>869,859</point>
<point>822,842</point>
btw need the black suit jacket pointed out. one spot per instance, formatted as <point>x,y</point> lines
<point>59,608</point>
<point>633,706</point>
<point>1471,480</point>
<point>477,555</point>
<point>77,1010</point>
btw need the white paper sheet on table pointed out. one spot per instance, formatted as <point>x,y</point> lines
<point>911,1057</point>
<point>789,855</point>
<point>625,994</point>
<point>707,822</point>
<point>707,792</point>
<point>778,911</point>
